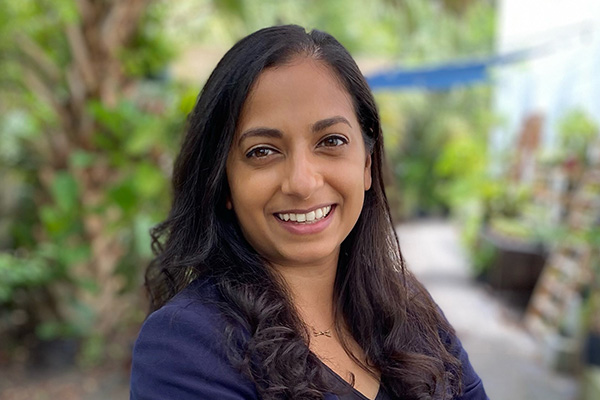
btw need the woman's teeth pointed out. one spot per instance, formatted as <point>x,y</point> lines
<point>307,218</point>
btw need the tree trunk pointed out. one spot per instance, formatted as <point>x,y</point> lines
<point>95,73</point>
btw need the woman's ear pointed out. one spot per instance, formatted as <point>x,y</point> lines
<point>228,203</point>
<point>368,179</point>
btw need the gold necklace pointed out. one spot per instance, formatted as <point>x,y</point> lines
<point>326,332</point>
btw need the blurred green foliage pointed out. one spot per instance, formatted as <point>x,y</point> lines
<point>85,168</point>
<point>78,198</point>
<point>539,211</point>
<point>437,146</point>
<point>576,132</point>
<point>18,272</point>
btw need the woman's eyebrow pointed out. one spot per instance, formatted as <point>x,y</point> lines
<point>277,134</point>
<point>327,122</point>
<point>260,131</point>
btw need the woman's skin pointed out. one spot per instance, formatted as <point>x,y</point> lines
<point>298,154</point>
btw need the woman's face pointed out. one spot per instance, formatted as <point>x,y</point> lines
<point>297,168</point>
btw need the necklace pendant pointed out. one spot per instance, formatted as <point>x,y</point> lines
<point>322,333</point>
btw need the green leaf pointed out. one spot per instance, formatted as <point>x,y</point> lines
<point>21,272</point>
<point>142,225</point>
<point>65,191</point>
<point>74,254</point>
<point>82,159</point>
<point>53,220</point>
<point>125,196</point>
<point>188,101</point>
<point>89,285</point>
<point>148,180</point>
<point>49,330</point>
<point>143,137</point>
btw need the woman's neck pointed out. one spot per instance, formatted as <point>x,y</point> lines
<point>311,288</point>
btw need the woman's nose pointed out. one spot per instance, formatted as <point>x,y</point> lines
<point>302,177</point>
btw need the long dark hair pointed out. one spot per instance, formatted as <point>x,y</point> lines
<point>388,313</point>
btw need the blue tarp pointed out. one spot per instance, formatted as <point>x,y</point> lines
<point>434,78</point>
<point>442,77</point>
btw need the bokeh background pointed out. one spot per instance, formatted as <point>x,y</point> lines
<point>490,110</point>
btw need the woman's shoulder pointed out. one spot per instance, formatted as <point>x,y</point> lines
<point>195,305</point>
<point>201,291</point>
<point>181,351</point>
<point>193,311</point>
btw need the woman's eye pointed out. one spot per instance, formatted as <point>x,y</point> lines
<point>333,141</point>
<point>260,152</point>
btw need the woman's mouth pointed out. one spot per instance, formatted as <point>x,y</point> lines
<point>310,217</point>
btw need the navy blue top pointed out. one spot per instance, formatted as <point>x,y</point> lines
<point>180,354</point>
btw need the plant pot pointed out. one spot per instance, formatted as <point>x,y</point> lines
<point>562,353</point>
<point>515,267</point>
<point>592,349</point>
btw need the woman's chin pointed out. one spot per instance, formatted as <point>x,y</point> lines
<point>307,257</point>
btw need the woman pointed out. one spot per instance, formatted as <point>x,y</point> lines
<point>278,272</point>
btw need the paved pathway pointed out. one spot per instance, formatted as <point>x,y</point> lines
<point>508,360</point>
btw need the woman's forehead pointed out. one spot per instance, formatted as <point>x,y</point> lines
<point>304,88</point>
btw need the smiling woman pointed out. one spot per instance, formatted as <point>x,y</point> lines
<point>278,272</point>
<point>301,145</point>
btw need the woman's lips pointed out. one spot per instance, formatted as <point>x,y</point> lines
<point>312,222</point>
<point>309,217</point>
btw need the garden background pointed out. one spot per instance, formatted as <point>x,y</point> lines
<point>93,105</point>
